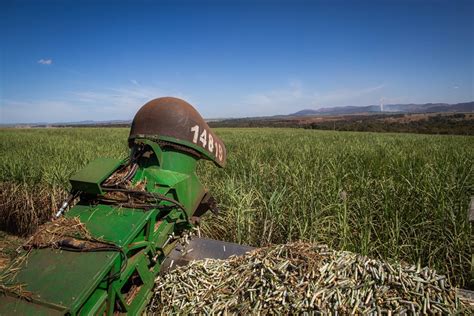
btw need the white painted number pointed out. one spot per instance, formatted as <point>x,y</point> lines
<point>220,152</point>
<point>211,143</point>
<point>195,129</point>
<point>207,139</point>
<point>203,138</point>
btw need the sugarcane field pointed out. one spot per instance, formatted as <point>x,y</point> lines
<point>236,157</point>
<point>345,222</point>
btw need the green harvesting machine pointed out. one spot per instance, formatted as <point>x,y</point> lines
<point>135,209</point>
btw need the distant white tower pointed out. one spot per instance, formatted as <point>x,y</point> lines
<point>381,104</point>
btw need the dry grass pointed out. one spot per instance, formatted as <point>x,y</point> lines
<point>8,248</point>
<point>50,233</point>
<point>7,285</point>
<point>24,207</point>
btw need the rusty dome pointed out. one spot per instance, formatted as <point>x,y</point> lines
<point>175,121</point>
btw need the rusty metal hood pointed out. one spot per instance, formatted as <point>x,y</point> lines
<point>174,120</point>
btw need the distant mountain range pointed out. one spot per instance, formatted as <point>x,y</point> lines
<point>329,111</point>
<point>389,108</point>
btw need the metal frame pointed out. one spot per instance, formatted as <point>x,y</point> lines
<point>79,283</point>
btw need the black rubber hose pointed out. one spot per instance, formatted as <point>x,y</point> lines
<point>110,247</point>
<point>148,194</point>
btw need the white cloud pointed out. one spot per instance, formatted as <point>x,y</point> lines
<point>122,102</point>
<point>45,61</point>
<point>297,97</point>
<point>45,111</point>
<point>99,104</point>
<point>348,95</point>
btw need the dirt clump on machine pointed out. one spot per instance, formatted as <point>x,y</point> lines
<point>300,277</point>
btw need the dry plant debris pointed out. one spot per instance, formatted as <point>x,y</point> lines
<point>8,248</point>
<point>49,234</point>
<point>24,207</point>
<point>301,278</point>
<point>6,277</point>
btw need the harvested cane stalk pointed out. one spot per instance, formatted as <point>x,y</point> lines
<point>302,278</point>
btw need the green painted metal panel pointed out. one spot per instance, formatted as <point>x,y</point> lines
<point>89,179</point>
<point>188,187</point>
<point>13,306</point>
<point>64,278</point>
<point>74,282</point>
<point>116,225</point>
<point>166,177</point>
<point>96,300</point>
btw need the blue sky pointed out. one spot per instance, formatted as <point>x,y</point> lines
<point>102,60</point>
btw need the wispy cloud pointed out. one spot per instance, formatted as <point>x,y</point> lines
<point>45,61</point>
<point>348,95</point>
<point>122,100</point>
<point>35,111</point>
<point>99,104</point>
<point>117,102</point>
<point>296,96</point>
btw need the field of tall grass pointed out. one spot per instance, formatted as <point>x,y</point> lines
<point>395,196</point>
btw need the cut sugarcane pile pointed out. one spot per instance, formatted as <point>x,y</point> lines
<point>300,277</point>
